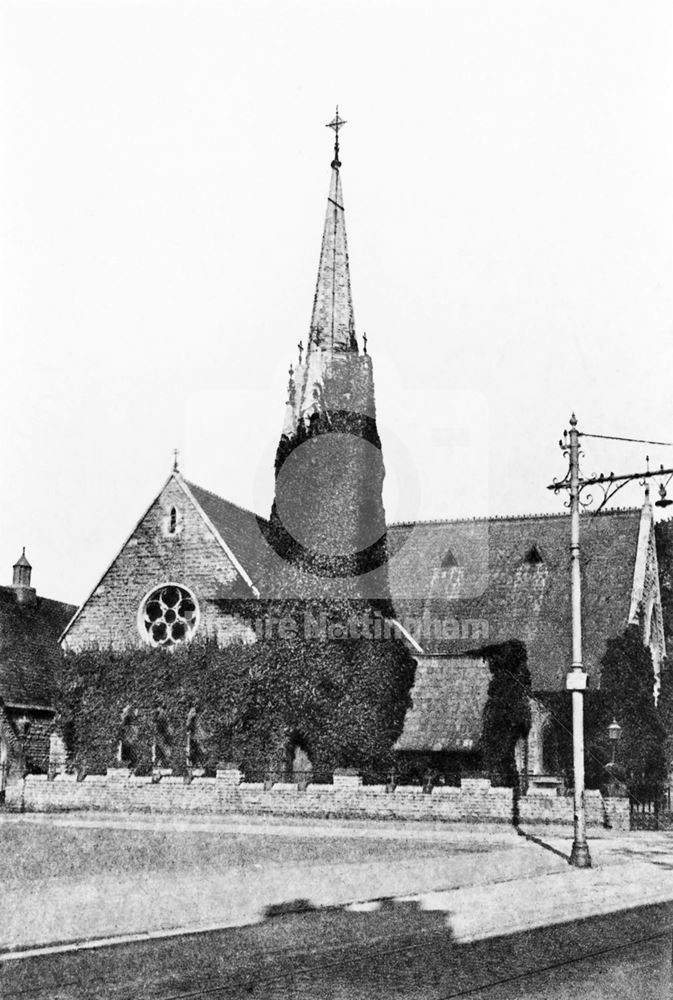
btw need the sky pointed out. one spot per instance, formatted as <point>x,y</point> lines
<point>164,167</point>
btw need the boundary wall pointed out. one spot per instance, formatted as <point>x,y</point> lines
<point>474,801</point>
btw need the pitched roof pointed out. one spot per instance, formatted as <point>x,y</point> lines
<point>240,529</point>
<point>29,649</point>
<point>494,583</point>
<point>447,704</point>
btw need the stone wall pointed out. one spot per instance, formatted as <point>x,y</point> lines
<point>475,801</point>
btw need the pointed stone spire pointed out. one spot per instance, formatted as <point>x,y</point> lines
<point>332,319</point>
<point>327,522</point>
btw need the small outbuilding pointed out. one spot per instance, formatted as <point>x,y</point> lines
<point>30,657</point>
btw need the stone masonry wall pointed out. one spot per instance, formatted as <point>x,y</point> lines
<point>476,801</point>
<point>191,557</point>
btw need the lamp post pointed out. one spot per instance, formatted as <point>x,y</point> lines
<point>576,680</point>
<point>614,735</point>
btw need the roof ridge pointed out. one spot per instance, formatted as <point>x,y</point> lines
<point>216,496</point>
<point>10,590</point>
<point>548,516</point>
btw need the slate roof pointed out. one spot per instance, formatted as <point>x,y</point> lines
<point>447,705</point>
<point>471,583</point>
<point>29,649</point>
<point>513,575</point>
<point>240,529</point>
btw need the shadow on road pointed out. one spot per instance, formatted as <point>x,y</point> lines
<point>384,948</point>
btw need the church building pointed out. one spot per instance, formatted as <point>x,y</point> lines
<point>197,565</point>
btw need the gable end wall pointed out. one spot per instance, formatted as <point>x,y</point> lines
<point>191,557</point>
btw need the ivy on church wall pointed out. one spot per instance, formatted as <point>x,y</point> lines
<point>342,700</point>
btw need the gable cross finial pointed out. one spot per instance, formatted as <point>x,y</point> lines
<point>364,343</point>
<point>336,123</point>
<point>300,347</point>
<point>175,460</point>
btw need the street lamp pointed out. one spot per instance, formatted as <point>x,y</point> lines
<point>576,680</point>
<point>663,500</point>
<point>614,732</point>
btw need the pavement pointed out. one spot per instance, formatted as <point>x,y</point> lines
<point>485,881</point>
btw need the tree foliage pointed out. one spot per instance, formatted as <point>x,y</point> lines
<point>507,714</point>
<point>627,696</point>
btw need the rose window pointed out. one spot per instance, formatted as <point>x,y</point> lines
<point>168,616</point>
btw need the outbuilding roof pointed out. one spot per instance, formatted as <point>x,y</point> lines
<point>29,650</point>
<point>447,705</point>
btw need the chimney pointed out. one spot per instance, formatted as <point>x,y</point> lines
<point>25,594</point>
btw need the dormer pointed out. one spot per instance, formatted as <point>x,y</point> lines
<point>533,556</point>
<point>449,561</point>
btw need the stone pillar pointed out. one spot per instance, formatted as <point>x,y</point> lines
<point>229,775</point>
<point>346,780</point>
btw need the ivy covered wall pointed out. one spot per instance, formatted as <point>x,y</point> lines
<point>343,701</point>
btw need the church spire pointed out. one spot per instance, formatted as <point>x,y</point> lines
<point>332,320</point>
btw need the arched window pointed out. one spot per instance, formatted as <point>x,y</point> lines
<point>298,766</point>
<point>161,746</point>
<point>126,745</point>
<point>172,521</point>
<point>193,748</point>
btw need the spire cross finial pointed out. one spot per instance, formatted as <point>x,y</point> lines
<point>300,347</point>
<point>175,460</point>
<point>364,342</point>
<point>336,124</point>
